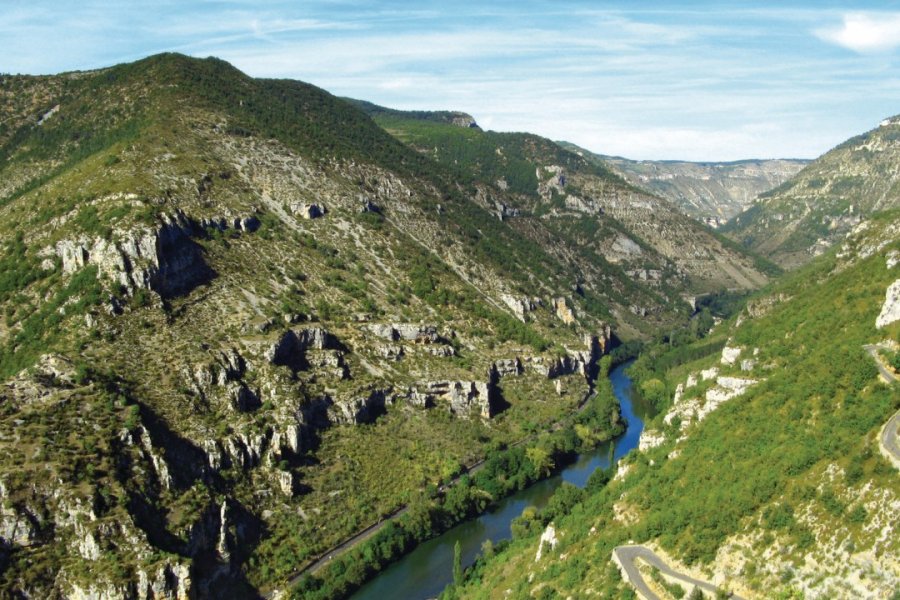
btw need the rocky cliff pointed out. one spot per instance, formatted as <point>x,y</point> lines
<point>817,208</point>
<point>710,192</point>
<point>241,322</point>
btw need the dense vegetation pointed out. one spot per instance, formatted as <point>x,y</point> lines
<point>790,462</point>
<point>504,471</point>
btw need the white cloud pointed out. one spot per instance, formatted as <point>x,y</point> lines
<point>865,32</point>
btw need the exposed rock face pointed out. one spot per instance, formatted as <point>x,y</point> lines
<point>624,246</point>
<point>222,378</point>
<point>565,314</point>
<point>290,349</point>
<point>408,332</point>
<point>464,120</point>
<point>892,259</point>
<point>583,362</point>
<point>551,179</point>
<point>465,398</point>
<point>165,260</point>
<point>730,355</point>
<point>726,389</point>
<point>710,373</point>
<point>650,438</point>
<point>504,212</point>
<point>688,410</point>
<point>709,192</point>
<point>521,305</point>
<point>471,397</point>
<point>286,483</point>
<point>589,206</point>
<point>509,366</point>
<point>890,310</point>
<point>309,211</point>
<point>363,408</point>
<point>417,333</point>
<point>168,581</point>
<point>548,539</point>
<point>17,526</point>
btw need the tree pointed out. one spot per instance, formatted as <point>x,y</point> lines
<point>457,564</point>
<point>541,460</point>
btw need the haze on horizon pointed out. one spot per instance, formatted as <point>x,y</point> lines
<point>689,80</point>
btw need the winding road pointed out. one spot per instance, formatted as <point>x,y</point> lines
<point>626,557</point>
<point>887,438</point>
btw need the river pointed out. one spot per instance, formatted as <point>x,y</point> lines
<point>427,570</point>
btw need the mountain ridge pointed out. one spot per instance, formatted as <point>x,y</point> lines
<point>228,301</point>
<point>814,210</point>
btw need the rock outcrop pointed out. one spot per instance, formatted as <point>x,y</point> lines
<point>464,398</point>
<point>565,314</point>
<point>582,362</point>
<point>521,305</point>
<point>290,349</point>
<point>408,332</point>
<point>361,408</point>
<point>548,540</point>
<point>890,310</point>
<point>165,260</point>
<point>730,355</point>
<point>309,211</point>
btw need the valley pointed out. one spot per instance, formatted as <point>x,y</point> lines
<point>263,341</point>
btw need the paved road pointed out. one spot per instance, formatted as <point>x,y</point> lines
<point>890,446</point>
<point>872,349</point>
<point>626,557</point>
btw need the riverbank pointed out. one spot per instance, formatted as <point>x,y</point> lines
<point>438,510</point>
<point>427,570</point>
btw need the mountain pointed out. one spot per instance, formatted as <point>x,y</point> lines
<point>242,322</point>
<point>542,185</point>
<point>815,209</point>
<point>765,470</point>
<point>710,192</point>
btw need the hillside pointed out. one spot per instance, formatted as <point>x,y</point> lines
<point>242,322</point>
<point>581,206</point>
<point>764,470</point>
<point>710,192</point>
<point>814,210</point>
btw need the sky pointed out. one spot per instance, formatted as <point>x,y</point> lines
<point>648,79</point>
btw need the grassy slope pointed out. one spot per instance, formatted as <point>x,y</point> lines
<point>792,463</point>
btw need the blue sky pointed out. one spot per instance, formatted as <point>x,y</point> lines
<point>649,80</point>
